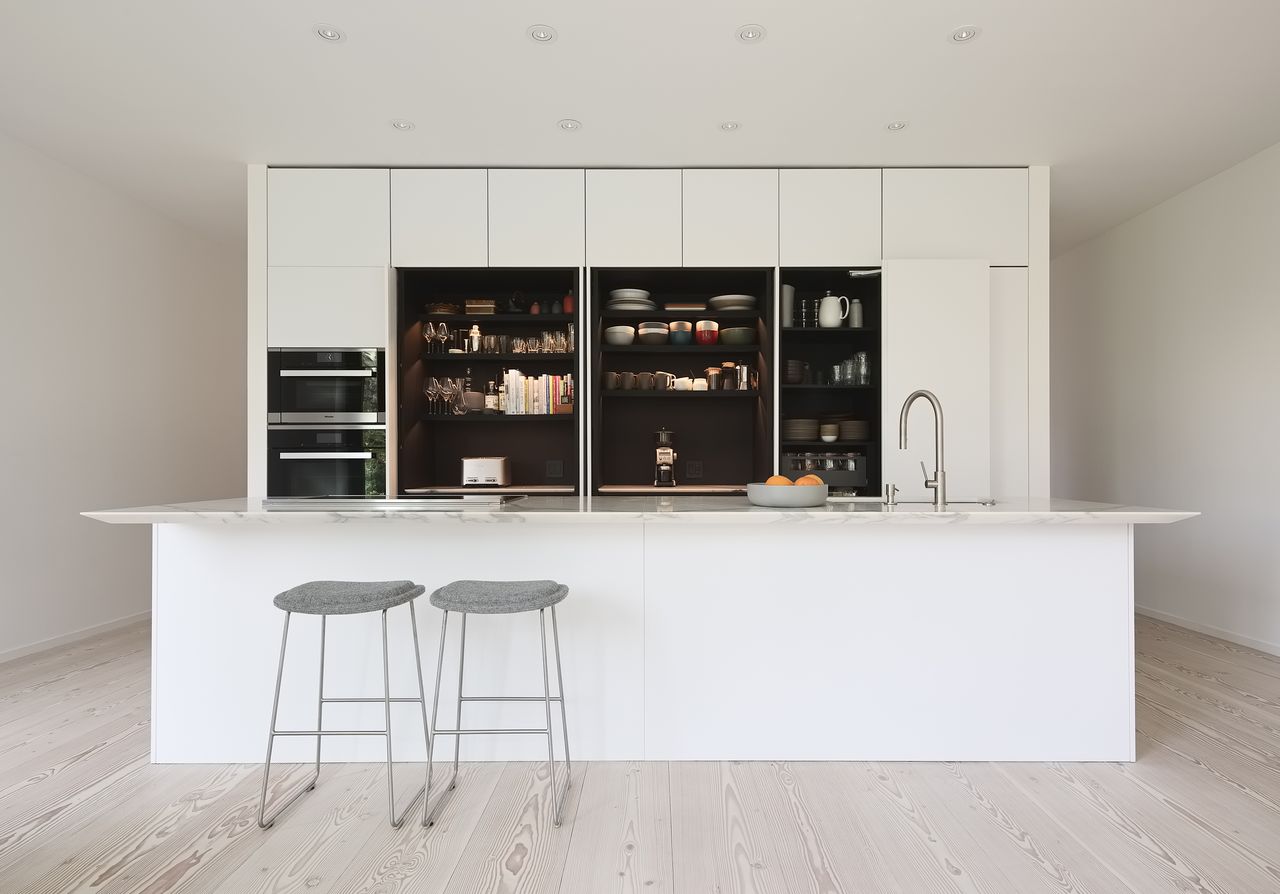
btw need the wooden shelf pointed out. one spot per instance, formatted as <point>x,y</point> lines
<point>680,349</point>
<point>673,395</point>
<point>470,358</point>
<point>650,489</point>
<point>827,387</point>
<point>497,318</point>
<point>690,315</point>
<point>828,445</point>
<point>476,416</point>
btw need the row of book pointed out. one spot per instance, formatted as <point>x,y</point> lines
<point>536,395</point>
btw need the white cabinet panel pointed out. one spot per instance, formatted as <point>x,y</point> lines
<point>327,307</point>
<point>829,218</point>
<point>536,218</point>
<point>1009,422</point>
<point>633,219</point>
<point>936,322</point>
<point>440,218</point>
<point>975,213</point>
<point>730,218</point>
<point>328,218</point>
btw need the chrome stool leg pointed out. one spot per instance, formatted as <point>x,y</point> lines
<point>564,719</point>
<point>427,811</point>
<point>265,821</point>
<point>398,821</point>
<point>457,740</point>
<point>546,694</point>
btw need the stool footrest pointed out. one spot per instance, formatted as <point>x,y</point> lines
<point>329,732</point>
<point>508,698</point>
<point>489,732</point>
<point>372,701</point>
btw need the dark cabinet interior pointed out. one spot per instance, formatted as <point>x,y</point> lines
<point>723,438</point>
<point>820,392</point>
<point>543,449</point>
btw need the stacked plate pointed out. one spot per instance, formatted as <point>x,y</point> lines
<point>799,429</point>
<point>855,430</point>
<point>793,372</point>
<point>627,300</point>
<point>732,302</point>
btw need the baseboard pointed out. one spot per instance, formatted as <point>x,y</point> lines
<point>1229,635</point>
<point>54,641</point>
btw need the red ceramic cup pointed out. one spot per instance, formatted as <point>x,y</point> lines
<point>708,336</point>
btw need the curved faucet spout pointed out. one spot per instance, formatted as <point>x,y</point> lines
<point>939,480</point>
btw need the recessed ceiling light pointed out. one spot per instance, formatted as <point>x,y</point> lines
<point>330,33</point>
<point>896,126</point>
<point>541,33</point>
<point>402,124</point>
<point>965,33</point>
<point>569,124</point>
<point>730,126</point>
<point>751,33</point>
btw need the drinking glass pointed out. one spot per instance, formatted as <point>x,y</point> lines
<point>442,336</point>
<point>429,335</point>
<point>431,388</point>
<point>490,344</point>
<point>837,374</point>
<point>862,365</point>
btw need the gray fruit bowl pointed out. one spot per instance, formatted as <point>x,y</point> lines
<point>780,496</point>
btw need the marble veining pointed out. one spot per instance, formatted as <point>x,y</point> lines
<point>675,509</point>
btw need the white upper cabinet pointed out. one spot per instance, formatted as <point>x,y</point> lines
<point>328,218</point>
<point>730,218</point>
<point>440,218</point>
<point>957,213</point>
<point>327,307</point>
<point>936,335</point>
<point>536,218</point>
<point>1010,474</point>
<point>633,219</point>
<point>829,218</point>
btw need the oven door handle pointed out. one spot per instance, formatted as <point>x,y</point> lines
<point>318,455</point>
<point>326,373</point>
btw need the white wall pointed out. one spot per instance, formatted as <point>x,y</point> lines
<point>122,363</point>
<point>1166,392</point>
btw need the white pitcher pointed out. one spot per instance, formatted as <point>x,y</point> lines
<point>832,310</point>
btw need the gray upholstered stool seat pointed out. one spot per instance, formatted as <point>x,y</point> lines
<point>498,597</point>
<point>347,597</point>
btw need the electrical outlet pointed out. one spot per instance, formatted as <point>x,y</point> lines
<point>555,468</point>
<point>693,469</point>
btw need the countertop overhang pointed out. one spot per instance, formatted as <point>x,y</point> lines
<point>675,509</point>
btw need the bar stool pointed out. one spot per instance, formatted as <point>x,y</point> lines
<point>481,597</point>
<point>325,598</point>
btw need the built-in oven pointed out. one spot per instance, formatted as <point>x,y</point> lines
<point>326,461</point>
<point>327,386</point>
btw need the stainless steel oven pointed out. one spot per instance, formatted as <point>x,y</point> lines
<point>326,386</point>
<point>326,461</point>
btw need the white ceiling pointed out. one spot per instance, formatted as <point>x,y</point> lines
<point>1130,102</point>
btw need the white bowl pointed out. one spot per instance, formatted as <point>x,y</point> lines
<point>632,294</point>
<point>653,336</point>
<point>797,496</point>
<point>657,327</point>
<point>619,335</point>
<point>830,438</point>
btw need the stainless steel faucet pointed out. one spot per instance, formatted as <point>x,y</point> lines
<point>939,480</point>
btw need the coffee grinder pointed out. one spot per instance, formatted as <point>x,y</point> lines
<point>664,468</point>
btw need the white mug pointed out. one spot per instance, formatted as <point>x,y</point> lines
<point>684,383</point>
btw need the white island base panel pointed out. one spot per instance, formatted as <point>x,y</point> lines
<point>680,642</point>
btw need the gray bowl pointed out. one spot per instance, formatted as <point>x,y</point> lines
<point>782,497</point>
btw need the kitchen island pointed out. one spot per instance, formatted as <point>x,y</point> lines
<point>697,628</point>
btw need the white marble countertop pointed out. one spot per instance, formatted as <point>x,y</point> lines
<point>664,509</point>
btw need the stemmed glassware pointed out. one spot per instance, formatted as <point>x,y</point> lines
<point>429,335</point>
<point>431,388</point>
<point>442,336</point>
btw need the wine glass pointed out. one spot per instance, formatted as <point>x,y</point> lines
<point>429,335</point>
<point>431,388</point>
<point>442,336</point>
<point>447,391</point>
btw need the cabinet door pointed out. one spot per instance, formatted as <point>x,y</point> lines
<point>328,218</point>
<point>829,218</point>
<point>327,307</point>
<point>536,218</point>
<point>440,218</point>
<point>977,213</point>
<point>633,219</point>
<point>1009,383</point>
<point>936,335</point>
<point>730,218</point>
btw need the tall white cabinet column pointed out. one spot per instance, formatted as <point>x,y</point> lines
<point>730,218</point>
<point>936,335</point>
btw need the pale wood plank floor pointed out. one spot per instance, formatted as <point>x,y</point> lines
<point>82,810</point>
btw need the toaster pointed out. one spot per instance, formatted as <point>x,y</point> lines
<point>494,471</point>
